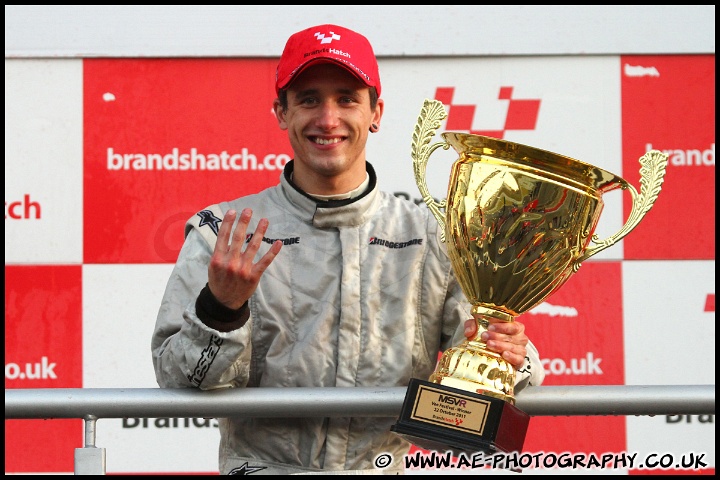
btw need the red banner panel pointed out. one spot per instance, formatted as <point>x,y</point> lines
<point>668,104</point>
<point>43,349</point>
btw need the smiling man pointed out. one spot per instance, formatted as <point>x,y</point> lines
<point>297,290</point>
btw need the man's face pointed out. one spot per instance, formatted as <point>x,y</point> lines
<point>328,120</point>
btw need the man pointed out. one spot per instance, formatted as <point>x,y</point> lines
<point>321,305</point>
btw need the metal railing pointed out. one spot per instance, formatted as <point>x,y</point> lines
<point>91,404</point>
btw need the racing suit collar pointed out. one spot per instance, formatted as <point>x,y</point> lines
<point>333,213</point>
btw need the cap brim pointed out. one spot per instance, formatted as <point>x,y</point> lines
<point>285,83</point>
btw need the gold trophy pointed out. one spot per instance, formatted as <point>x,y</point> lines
<point>517,222</point>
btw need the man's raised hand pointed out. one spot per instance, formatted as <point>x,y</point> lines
<point>232,275</point>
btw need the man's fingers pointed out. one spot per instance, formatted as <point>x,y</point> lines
<point>238,238</point>
<point>511,352</point>
<point>257,237</point>
<point>223,239</point>
<point>514,359</point>
<point>508,339</point>
<point>269,256</point>
<point>232,274</point>
<point>470,328</point>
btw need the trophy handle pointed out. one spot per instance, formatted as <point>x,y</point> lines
<point>431,115</point>
<point>652,172</point>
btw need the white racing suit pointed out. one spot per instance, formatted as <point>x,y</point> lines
<point>361,295</point>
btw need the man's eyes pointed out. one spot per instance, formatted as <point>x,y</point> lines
<point>316,100</point>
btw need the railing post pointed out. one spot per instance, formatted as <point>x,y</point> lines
<point>90,460</point>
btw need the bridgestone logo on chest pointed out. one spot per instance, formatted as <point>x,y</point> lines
<point>389,244</point>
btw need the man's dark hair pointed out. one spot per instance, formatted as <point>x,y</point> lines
<point>282,96</point>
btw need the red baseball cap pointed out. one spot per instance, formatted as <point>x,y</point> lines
<point>332,44</point>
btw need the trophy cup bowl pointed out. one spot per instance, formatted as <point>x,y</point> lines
<point>517,222</point>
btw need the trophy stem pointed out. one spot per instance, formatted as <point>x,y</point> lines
<point>472,367</point>
<point>482,316</point>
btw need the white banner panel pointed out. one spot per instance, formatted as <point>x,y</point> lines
<point>669,332</point>
<point>669,339</point>
<point>120,303</point>
<point>43,161</point>
<point>578,115</point>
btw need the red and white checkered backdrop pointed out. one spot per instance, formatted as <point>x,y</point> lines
<point>103,167</point>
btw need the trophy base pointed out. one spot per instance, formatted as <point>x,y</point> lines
<point>441,418</point>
